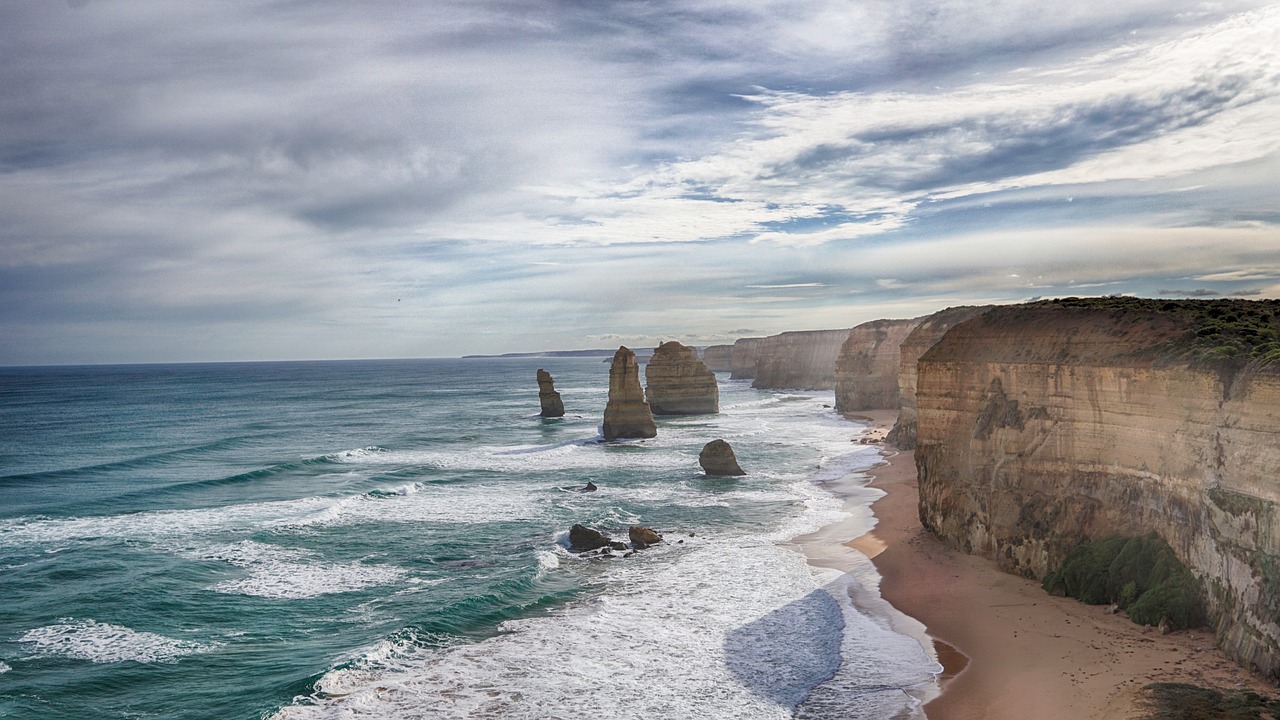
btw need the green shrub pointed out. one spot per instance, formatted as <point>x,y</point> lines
<point>1141,575</point>
<point>1180,701</point>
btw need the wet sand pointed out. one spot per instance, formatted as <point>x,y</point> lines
<point>1016,651</point>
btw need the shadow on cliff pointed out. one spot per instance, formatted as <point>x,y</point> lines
<point>787,652</point>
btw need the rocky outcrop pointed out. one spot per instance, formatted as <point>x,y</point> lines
<point>627,415</point>
<point>742,359</point>
<point>552,405</point>
<point>642,537</point>
<point>582,539</point>
<point>717,460</point>
<point>677,383</point>
<point>866,371</point>
<point>718,358</point>
<point>924,336</point>
<point>803,360</point>
<point>1043,425</point>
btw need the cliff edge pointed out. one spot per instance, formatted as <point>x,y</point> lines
<point>803,359</point>
<point>1040,426</point>
<point>866,371</point>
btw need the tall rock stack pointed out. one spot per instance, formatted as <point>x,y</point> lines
<point>867,368</point>
<point>552,405</point>
<point>678,383</point>
<point>627,415</point>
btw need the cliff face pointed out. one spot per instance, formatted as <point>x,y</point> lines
<point>678,383</point>
<point>924,336</point>
<point>626,414</point>
<point>742,359</point>
<point>866,371</point>
<point>804,360</point>
<point>718,358</point>
<point>1042,426</point>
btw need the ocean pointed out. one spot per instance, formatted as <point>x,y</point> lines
<point>388,539</point>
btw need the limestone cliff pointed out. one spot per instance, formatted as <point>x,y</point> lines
<point>924,336</point>
<point>718,358</point>
<point>1040,426</point>
<point>552,405</point>
<point>866,371</point>
<point>742,359</point>
<point>626,414</point>
<point>678,383</point>
<point>804,360</point>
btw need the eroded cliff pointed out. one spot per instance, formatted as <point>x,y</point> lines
<point>804,359</point>
<point>924,336</point>
<point>742,359</point>
<point>866,371</point>
<point>1040,426</point>
<point>718,358</point>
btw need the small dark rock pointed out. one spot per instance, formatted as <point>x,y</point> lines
<point>590,487</point>
<point>617,545</point>
<point>582,539</point>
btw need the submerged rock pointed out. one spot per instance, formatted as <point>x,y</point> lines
<point>643,537</point>
<point>627,415</point>
<point>552,405</point>
<point>582,539</point>
<point>678,383</point>
<point>717,459</point>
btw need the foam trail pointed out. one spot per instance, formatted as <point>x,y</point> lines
<point>106,643</point>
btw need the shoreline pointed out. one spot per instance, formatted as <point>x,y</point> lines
<point>1010,650</point>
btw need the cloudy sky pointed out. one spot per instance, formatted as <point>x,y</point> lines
<point>275,179</point>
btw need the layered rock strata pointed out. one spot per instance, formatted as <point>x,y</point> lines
<point>552,405</point>
<point>627,415</point>
<point>802,360</point>
<point>718,358</point>
<point>866,370</point>
<point>678,383</point>
<point>924,336</point>
<point>718,460</point>
<point>742,358</point>
<point>1041,426</point>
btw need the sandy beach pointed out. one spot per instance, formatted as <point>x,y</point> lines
<point>1015,651</point>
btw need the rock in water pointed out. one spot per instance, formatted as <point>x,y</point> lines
<point>627,415</point>
<point>643,537</point>
<point>717,459</point>
<point>582,539</point>
<point>678,383</point>
<point>552,406</point>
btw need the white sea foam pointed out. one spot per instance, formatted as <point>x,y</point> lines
<point>4,667</point>
<point>721,625</point>
<point>292,574</point>
<point>106,643</point>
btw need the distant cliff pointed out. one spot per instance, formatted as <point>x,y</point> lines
<point>718,358</point>
<point>866,371</point>
<point>804,360</point>
<point>1042,425</point>
<point>742,359</point>
<point>924,336</point>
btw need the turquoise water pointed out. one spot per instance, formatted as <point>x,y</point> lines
<point>387,539</point>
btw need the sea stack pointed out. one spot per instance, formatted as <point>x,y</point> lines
<point>627,415</point>
<point>717,460</point>
<point>552,405</point>
<point>678,383</point>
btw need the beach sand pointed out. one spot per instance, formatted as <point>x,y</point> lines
<point>1019,652</point>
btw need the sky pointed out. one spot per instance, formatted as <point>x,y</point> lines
<point>305,179</point>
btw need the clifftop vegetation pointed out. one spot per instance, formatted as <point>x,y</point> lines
<point>1223,334</point>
